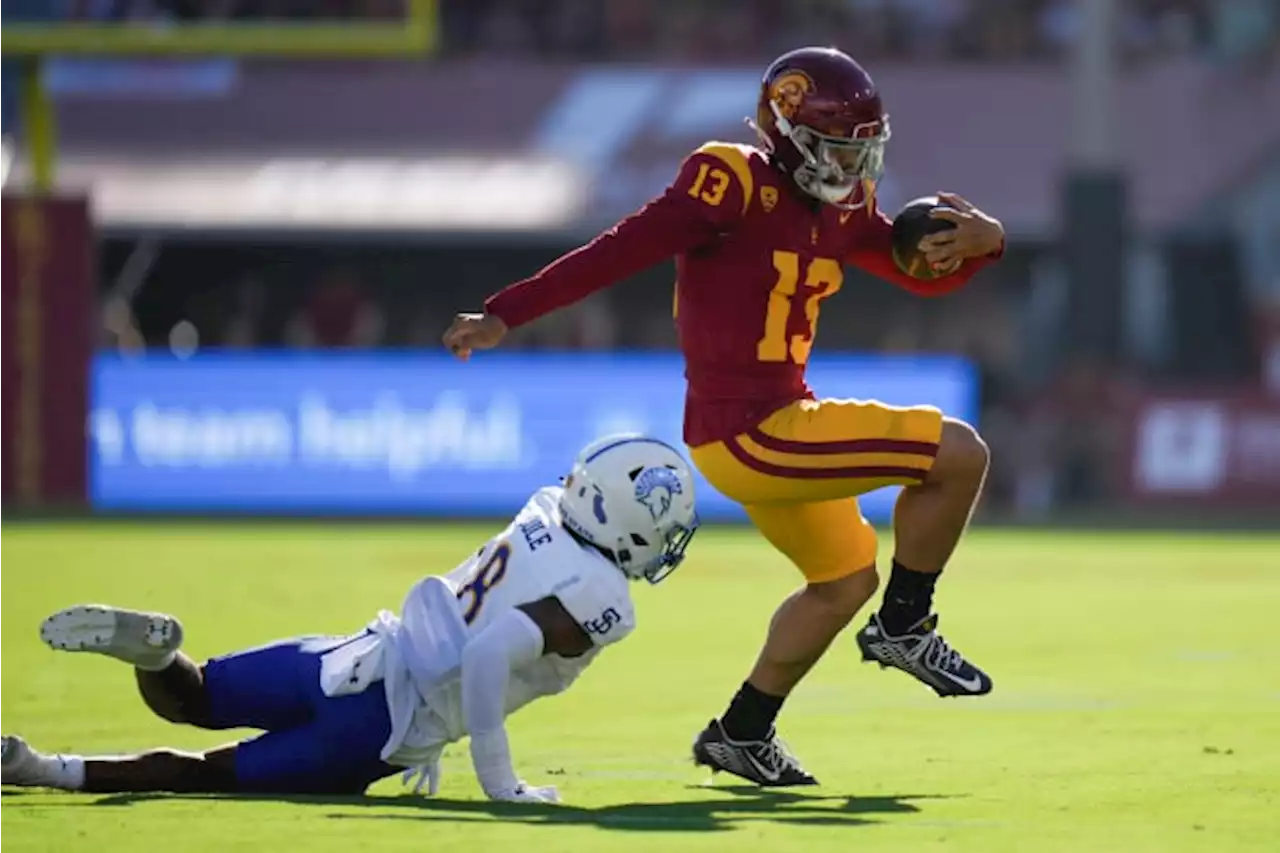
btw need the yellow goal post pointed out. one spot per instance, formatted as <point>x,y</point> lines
<point>413,35</point>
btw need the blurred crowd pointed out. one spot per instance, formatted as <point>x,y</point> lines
<point>192,10</point>
<point>745,30</point>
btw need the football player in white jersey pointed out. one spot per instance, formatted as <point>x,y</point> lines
<point>519,619</point>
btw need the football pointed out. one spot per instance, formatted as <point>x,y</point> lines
<point>910,226</point>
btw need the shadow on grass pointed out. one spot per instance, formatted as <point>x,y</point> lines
<point>731,806</point>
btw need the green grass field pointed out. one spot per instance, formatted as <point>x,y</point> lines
<point>1137,701</point>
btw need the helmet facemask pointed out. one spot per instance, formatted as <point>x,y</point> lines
<point>833,167</point>
<point>675,541</point>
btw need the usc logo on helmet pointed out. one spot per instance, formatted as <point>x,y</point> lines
<point>788,91</point>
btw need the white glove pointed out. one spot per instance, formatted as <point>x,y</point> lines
<point>523,793</point>
<point>426,774</point>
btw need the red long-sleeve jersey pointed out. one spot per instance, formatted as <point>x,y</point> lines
<point>754,260</point>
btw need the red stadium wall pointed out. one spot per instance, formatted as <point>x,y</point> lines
<point>48,264</point>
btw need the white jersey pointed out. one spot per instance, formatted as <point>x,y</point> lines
<point>533,558</point>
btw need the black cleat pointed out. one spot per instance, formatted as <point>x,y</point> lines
<point>923,653</point>
<point>767,762</point>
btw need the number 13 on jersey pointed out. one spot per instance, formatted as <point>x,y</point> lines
<point>712,192</point>
<point>823,276</point>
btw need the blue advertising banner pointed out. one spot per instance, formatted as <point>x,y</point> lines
<point>411,433</point>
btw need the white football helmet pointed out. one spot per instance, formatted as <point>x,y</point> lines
<point>632,497</point>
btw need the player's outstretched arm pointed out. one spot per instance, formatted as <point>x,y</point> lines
<point>516,639</point>
<point>976,241</point>
<point>705,198</point>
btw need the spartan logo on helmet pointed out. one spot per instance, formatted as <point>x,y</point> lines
<point>655,488</point>
<point>789,90</point>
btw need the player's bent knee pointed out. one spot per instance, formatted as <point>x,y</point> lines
<point>173,714</point>
<point>962,454</point>
<point>183,703</point>
<point>847,594</point>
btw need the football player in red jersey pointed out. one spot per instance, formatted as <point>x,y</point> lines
<point>760,237</point>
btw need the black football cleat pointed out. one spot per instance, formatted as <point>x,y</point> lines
<point>767,762</point>
<point>922,652</point>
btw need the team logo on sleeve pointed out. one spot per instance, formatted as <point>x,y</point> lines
<point>655,488</point>
<point>604,623</point>
<point>768,197</point>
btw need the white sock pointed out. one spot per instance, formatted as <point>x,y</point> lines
<point>63,771</point>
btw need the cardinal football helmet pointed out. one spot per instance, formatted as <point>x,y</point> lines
<point>821,119</point>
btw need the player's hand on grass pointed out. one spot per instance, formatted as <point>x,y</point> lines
<point>976,234</point>
<point>468,332</point>
<point>523,793</point>
<point>424,776</point>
